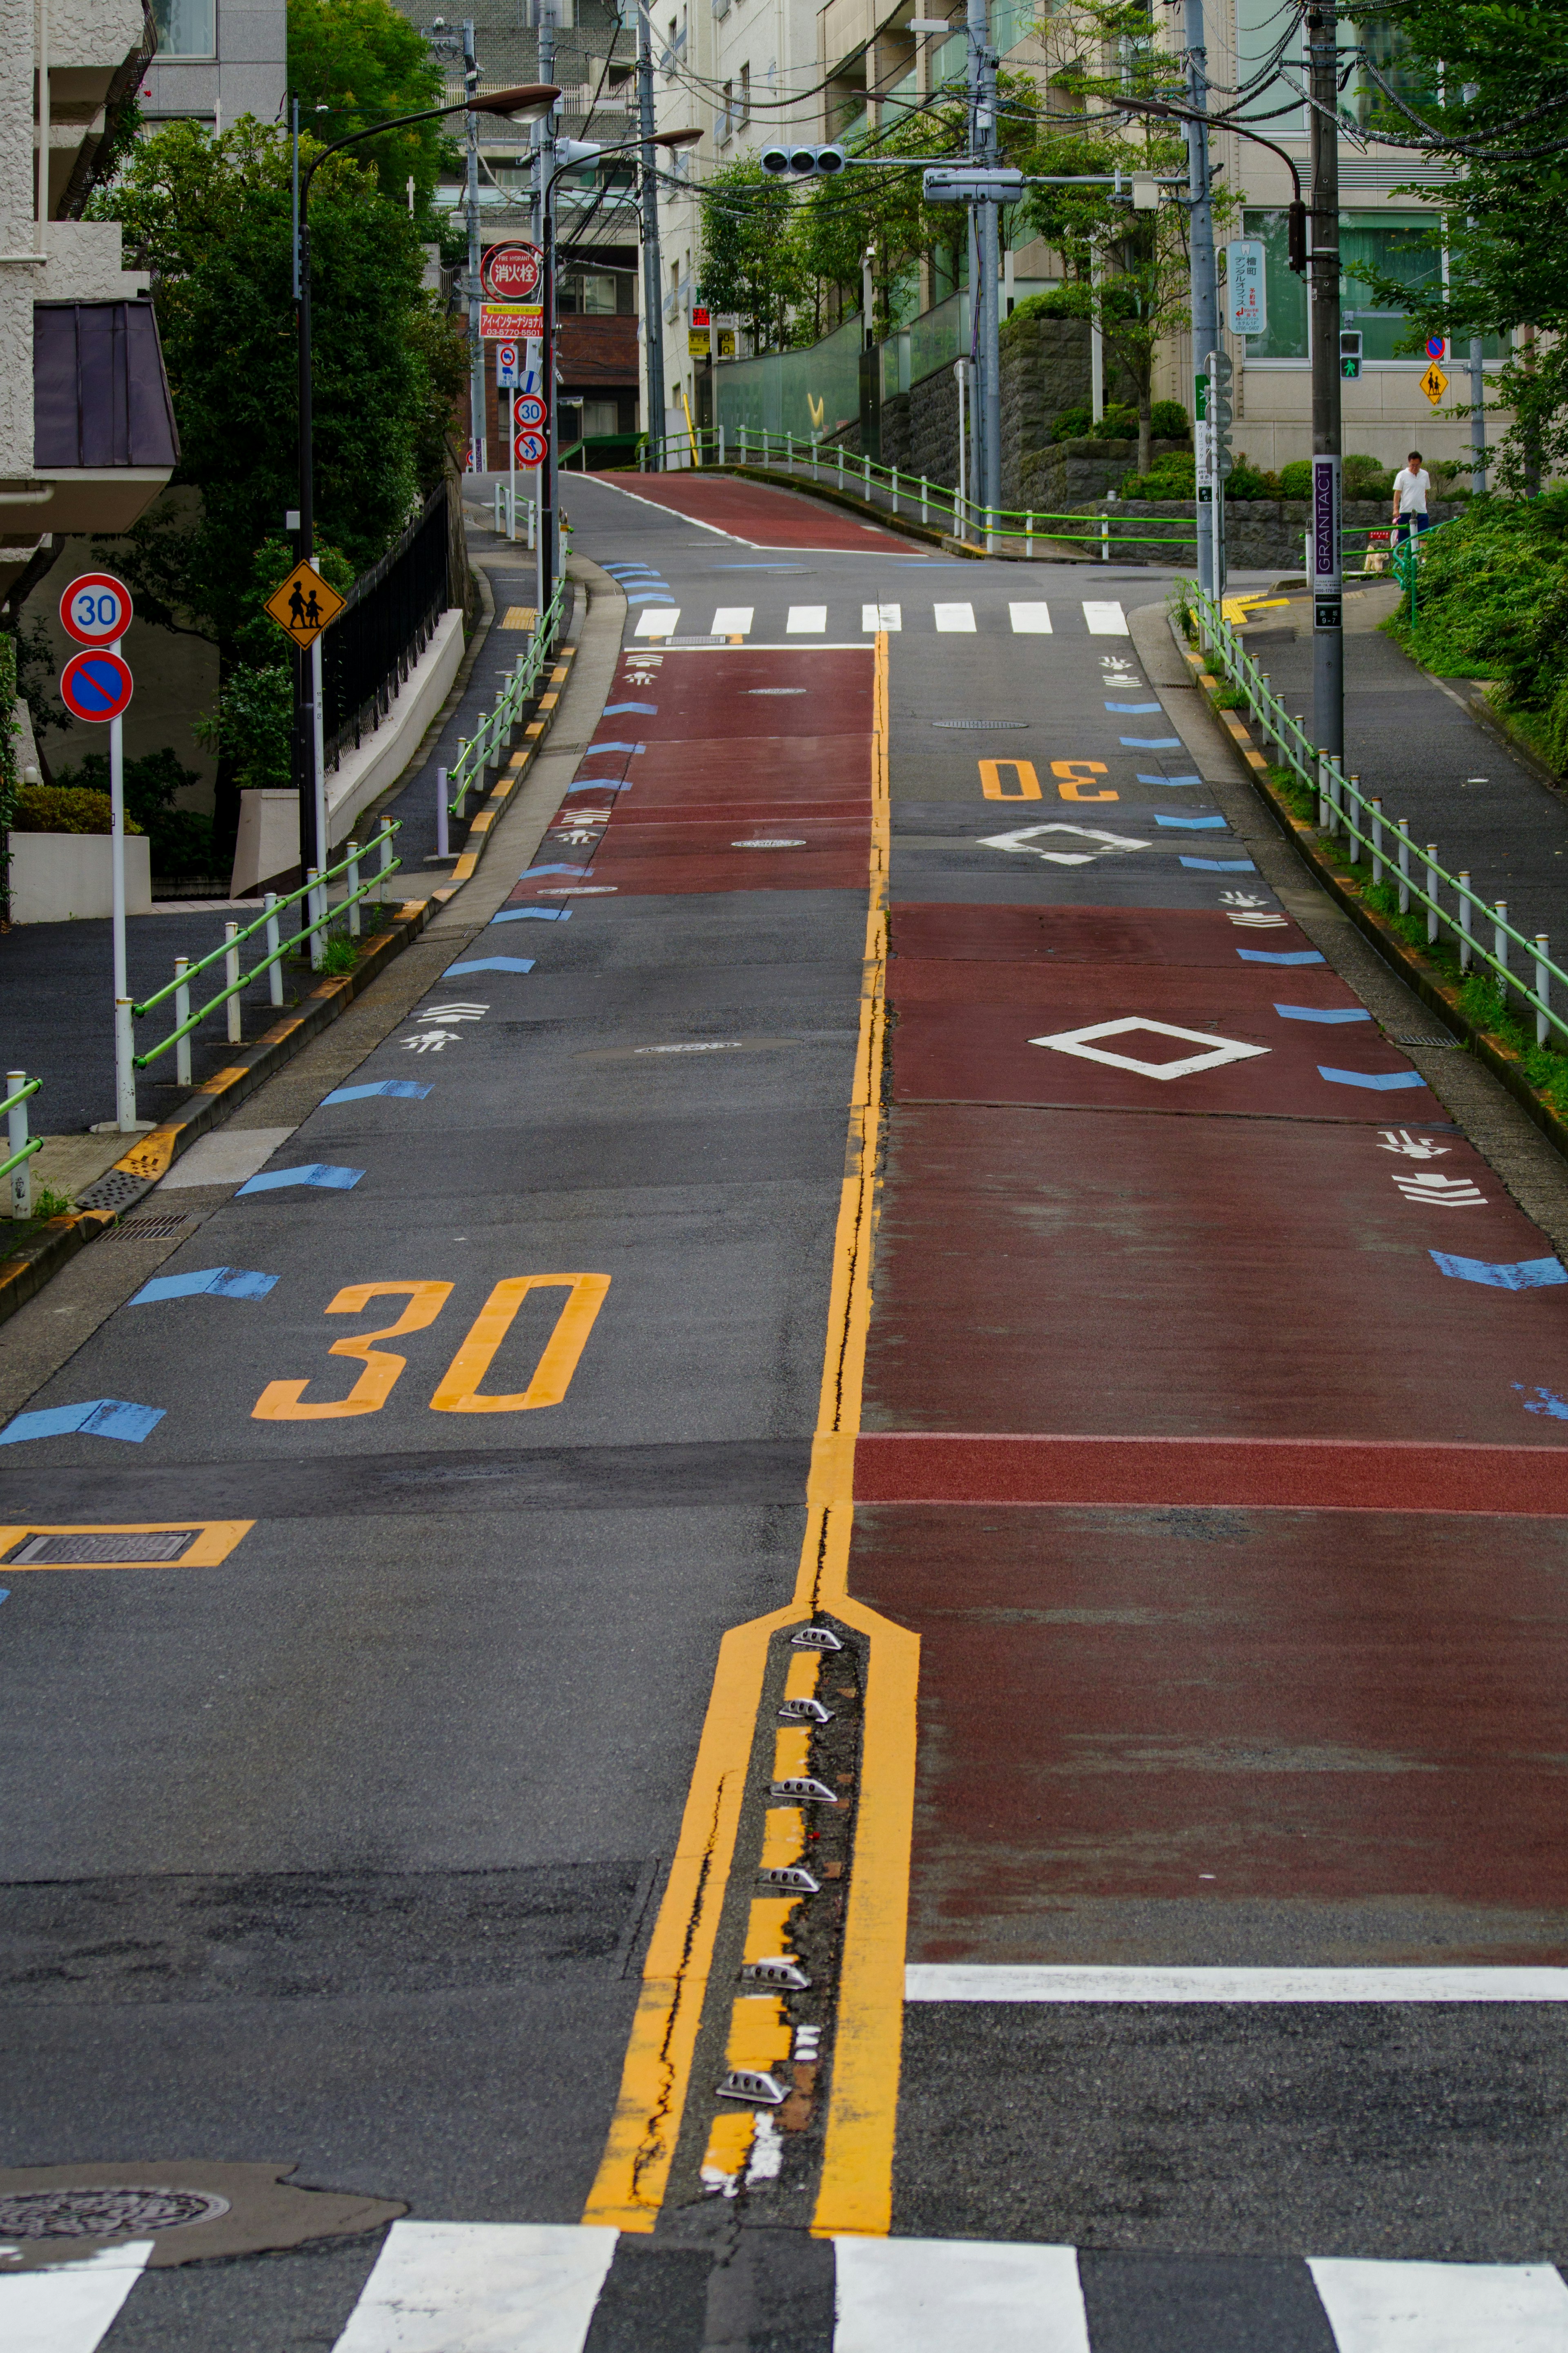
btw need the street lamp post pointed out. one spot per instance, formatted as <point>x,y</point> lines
<point>530,102</point>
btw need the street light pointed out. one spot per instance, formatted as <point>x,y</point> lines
<point>528,104</point>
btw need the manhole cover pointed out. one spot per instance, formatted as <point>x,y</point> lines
<point>83,1551</point>
<point>105,2213</point>
<point>979,722</point>
<point>146,1230</point>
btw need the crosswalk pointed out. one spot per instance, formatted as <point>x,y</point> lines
<point>1103,618</point>
<point>478,2287</point>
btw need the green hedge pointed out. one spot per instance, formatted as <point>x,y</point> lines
<point>1492,602</point>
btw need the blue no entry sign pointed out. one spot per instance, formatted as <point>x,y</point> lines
<point>95,686</point>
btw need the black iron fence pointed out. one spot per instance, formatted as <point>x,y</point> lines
<point>392,610</point>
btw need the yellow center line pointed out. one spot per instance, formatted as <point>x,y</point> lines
<point>856,2189</point>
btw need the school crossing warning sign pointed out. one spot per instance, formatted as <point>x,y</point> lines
<point>303,604</point>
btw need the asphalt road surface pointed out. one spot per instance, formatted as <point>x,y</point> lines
<point>833,1616</point>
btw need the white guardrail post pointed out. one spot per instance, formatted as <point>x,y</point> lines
<point>231,980</point>
<point>182,1014</point>
<point>313,917</point>
<point>16,1141</point>
<point>441,848</point>
<point>1543,988</point>
<point>354,890</point>
<point>275,970</point>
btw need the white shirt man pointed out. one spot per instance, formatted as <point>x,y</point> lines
<point>1411,486</point>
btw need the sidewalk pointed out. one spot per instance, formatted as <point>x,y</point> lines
<point>1410,740</point>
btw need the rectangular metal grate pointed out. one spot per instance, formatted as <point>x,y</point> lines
<point>81,1552</point>
<point>146,1230</point>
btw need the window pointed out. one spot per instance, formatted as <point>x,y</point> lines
<point>1261,25</point>
<point>1287,336</point>
<point>593,293</point>
<point>186,29</point>
<point>1400,246</point>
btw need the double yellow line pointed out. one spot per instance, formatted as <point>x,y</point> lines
<point>855,2192</point>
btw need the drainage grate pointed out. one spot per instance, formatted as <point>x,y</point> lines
<point>117,1190</point>
<point>82,1551</point>
<point>104,2213</point>
<point>979,722</point>
<point>147,1229</point>
<point>1427,1041</point>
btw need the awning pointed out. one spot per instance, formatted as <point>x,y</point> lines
<point>101,396</point>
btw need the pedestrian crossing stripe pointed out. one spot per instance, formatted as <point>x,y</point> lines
<point>1101,619</point>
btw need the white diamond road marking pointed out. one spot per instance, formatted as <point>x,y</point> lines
<point>881,617</point>
<point>1026,842</point>
<point>661,624</point>
<point>733,620</point>
<point>936,2295</point>
<point>1105,620</point>
<point>1382,2307</point>
<point>440,2286</point>
<point>1216,1052</point>
<point>954,617</point>
<point>806,621</point>
<point>1031,620</point>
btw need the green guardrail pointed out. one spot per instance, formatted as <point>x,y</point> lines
<point>22,1148</point>
<point>1344,809</point>
<point>313,894</point>
<point>492,739</point>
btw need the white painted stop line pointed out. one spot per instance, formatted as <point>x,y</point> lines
<point>955,617</point>
<point>1031,620</point>
<point>1105,620</point>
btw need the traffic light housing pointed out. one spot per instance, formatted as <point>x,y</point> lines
<point>803,162</point>
<point>1350,353</point>
<point>1296,236</point>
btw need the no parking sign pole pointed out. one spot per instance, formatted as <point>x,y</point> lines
<point>96,685</point>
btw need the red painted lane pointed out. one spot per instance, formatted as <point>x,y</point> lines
<point>1124,935</point>
<point>724,691</point>
<point>1335,1475</point>
<point>830,767</point>
<point>1214,1736</point>
<point>1080,1272</point>
<point>760,517</point>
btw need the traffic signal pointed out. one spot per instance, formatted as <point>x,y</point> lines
<point>1296,236</point>
<point>803,162</point>
<point>1350,353</point>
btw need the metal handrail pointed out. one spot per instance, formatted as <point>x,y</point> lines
<point>484,748</point>
<point>1338,792</point>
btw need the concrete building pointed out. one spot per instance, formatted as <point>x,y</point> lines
<point>86,429</point>
<point>217,59</point>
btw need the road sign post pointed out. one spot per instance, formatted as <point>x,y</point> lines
<point>96,685</point>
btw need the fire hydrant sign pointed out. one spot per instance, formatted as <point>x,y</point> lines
<point>96,609</point>
<point>512,273</point>
<point>303,604</point>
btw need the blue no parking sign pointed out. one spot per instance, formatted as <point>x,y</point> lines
<point>95,686</point>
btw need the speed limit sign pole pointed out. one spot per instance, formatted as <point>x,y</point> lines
<point>95,686</point>
<point>511,459</point>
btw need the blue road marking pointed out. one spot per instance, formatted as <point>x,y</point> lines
<point>615,710</point>
<point>1528,1274</point>
<point>597,785</point>
<point>649,596</point>
<point>529,872</point>
<point>1168,780</point>
<point>1150,742</point>
<point>489,964</point>
<point>1544,1401</point>
<point>533,915</point>
<point>314,1172</point>
<point>216,1282</point>
<point>594,748</point>
<point>1379,1082</point>
<point>1131,709</point>
<point>1195,824</point>
<point>1322,1013</point>
<point>1279,956</point>
<point>99,1418</point>
<point>410,1087</point>
<point>1220,865</point>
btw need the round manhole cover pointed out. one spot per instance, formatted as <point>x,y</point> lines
<point>105,2213</point>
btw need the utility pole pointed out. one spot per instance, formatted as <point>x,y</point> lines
<point>1200,238</point>
<point>549,494</point>
<point>652,274</point>
<point>476,349</point>
<point>1328,577</point>
<point>986,275</point>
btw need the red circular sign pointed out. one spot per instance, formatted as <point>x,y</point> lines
<point>530,448</point>
<point>95,686</point>
<point>530,412</point>
<point>511,273</point>
<point>96,608</point>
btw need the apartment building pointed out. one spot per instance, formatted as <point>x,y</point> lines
<point>87,429</point>
<point>217,59</point>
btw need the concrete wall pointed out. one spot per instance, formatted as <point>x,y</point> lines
<point>59,878</point>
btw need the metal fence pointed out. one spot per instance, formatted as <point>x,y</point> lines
<point>492,739</point>
<point>1410,869</point>
<point>384,627</point>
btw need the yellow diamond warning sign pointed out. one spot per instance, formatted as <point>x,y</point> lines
<point>1434,383</point>
<point>303,604</point>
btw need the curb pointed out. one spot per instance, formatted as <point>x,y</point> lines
<point>25,1271</point>
<point>1437,995</point>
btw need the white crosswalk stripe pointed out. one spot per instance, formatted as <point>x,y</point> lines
<point>466,2287</point>
<point>1105,620</point>
<point>932,2295</point>
<point>659,622</point>
<point>68,2308</point>
<point>949,618</point>
<point>881,617</point>
<point>733,620</point>
<point>1031,620</point>
<point>1375,2307</point>
<point>806,620</point>
<point>1101,620</point>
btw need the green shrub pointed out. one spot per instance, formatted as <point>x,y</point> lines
<point>1296,478</point>
<point>58,808</point>
<point>1072,425</point>
<point>1170,421</point>
<point>181,840</point>
<point>340,956</point>
<point>1368,478</point>
<point>1056,302</point>
<point>1120,423</point>
<point>1493,603</point>
<point>1170,477</point>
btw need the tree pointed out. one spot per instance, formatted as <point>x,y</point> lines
<point>210,217</point>
<point>1485,85</point>
<point>1129,271</point>
<point>355,62</point>
<point>751,249</point>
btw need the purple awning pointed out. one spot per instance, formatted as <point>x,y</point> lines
<point>100,394</point>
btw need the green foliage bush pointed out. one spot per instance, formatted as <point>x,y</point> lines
<point>58,808</point>
<point>1170,420</point>
<point>1296,478</point>
<point>1493,603</point>
<point>181,839</point>
<point>1171,476</point>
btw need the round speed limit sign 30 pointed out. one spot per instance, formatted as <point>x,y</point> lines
<point>530,413</point>
<point>96,609</point>
<point>530,447</point>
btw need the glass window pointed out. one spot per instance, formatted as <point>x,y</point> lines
<point>1287,336</point>
<point>1400,246</point>
<point>589,294</point>
<point>186,29</point>
<point>1260,27</point>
